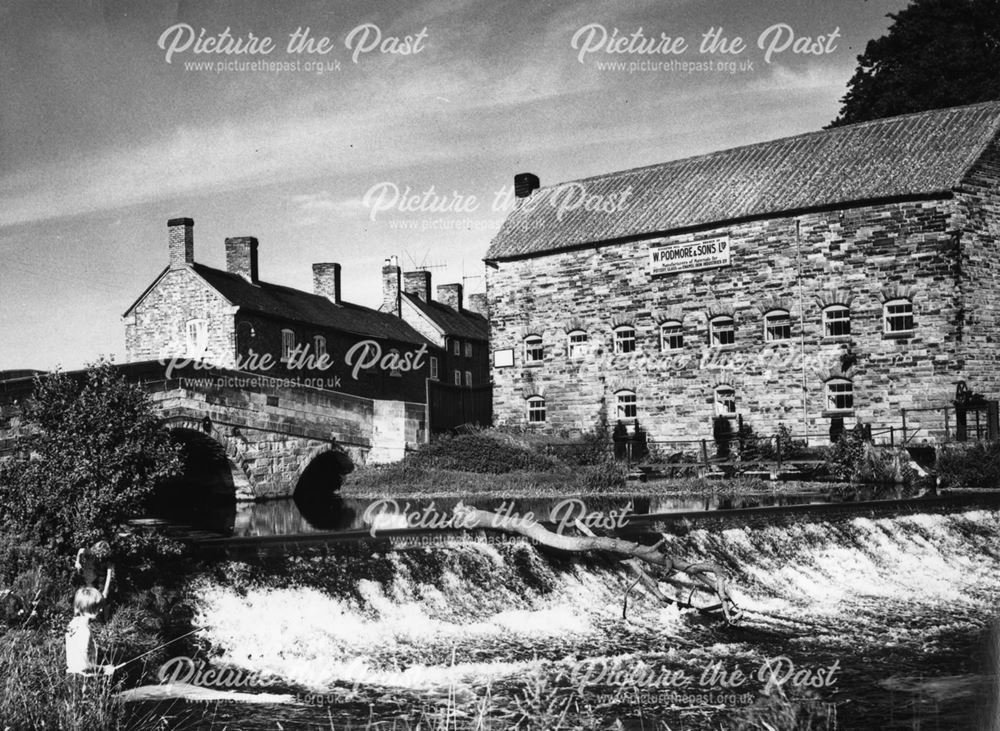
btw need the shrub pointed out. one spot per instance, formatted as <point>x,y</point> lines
<point>480,453</point>
<point>970,465</point>
<point>608,475</point>
<point>853,457</point>
<point>96,451</point>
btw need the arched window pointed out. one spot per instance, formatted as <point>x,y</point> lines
<point>839,394</point>
<point>625,339</point>
<point>626,406</point>
<point>725,401</point>
<point>578,342</point>
<point>898,316</point>
<point>534,351</point>
<point>777,326</point>
<point>536,410</point>
<point>836,321</point>
<point>721,331</point>
<point>671,335</point>
<point>319,345</point>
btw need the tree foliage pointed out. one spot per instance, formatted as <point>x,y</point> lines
<point>94,453</point>
<point>937,53</point>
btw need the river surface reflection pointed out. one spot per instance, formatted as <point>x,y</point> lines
<point>293,516</point>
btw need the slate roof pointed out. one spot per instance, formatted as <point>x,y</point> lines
<point>912,155</point>
<point>287,303</point>
<point>463,324</point>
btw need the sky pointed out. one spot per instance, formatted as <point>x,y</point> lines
<point>390,129</point>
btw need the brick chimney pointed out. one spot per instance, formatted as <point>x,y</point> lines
<point>418,284</point>
<point>451,295</point>
<point>181,241</point>
<point>525,184</point>
<point>390,286</point>
<point>477,304</point>
<point>241,257</point>
<point>326,281</point>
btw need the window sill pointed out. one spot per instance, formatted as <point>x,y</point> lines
<point>900,335</point>
<point>835,339</point>
<point>729,346</point>
<point>534,364</point>
<point>833,414</point>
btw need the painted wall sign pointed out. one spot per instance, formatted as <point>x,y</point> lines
<point>689,255</point>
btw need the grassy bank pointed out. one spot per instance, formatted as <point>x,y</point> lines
<point>501,464</point>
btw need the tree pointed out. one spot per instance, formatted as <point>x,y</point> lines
<point>94,452</point>
<point>937,53</point>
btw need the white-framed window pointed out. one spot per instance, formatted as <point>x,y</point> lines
<point>625,339</point>
<point>319,345</point>
<point>578,342</point>
<point>287,344</point>
<point>468,349</point>
<point>434,368</point>
<point>721,331</point>
<point>898,316</point>
<point>836,321</point>
<point>468,378</point>
<point>457,377</point>
<point>777,326</point>
<point>839,394</point>
<point>394,370</point>
<point>671,335</point>
<point>536,410</point>
<point>725,401</point>
<point>456,347</point>
<point>626,406</point>
<point>534,351</point>
<point>196,334</point>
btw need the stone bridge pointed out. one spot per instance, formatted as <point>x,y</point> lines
<point>253,436</point>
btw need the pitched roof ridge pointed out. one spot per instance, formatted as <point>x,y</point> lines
<point>882,121</point>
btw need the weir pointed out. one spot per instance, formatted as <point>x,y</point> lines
<point>868,603</point>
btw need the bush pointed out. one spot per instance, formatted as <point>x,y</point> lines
<point>969,465</point>
<point>478,453</point>
<point>95,451</point>
<point>853,457</point>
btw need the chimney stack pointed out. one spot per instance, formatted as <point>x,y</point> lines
<point>525,184</point>
<point>477,304</point>
<point>241,257</point>
<point>390,286</point>
<point>326,281</point>
<point>451,295</point>
<point>181,241</point>
<point>418,284</point>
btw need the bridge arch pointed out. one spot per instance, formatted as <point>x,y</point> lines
<point>213,465</point>
<point>323,472</point>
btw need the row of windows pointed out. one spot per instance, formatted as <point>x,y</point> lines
<point>897,319</point>
<point>458,377</point>
<point>839,397</point>
<point>457,348</point>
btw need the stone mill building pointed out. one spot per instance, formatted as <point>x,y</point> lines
<point>846,275</point>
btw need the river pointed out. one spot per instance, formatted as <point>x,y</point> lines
<point>865,622</point>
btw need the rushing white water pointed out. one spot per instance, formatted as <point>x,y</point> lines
<point>468,615</point>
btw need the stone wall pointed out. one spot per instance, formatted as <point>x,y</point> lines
<point>158,326</point>
<point>859,257</point>
<point>978,221</point>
